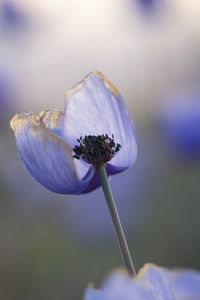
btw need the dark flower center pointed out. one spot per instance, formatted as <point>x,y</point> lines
<point>96,149</point>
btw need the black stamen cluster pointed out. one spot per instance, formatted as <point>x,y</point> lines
<point>96,149</point>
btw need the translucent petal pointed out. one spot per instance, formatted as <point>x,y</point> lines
<point>47,157</point>
<point>94,106</point>
<point>54,119</point>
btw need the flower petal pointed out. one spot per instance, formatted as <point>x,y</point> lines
<point>93,184</point>
<point>187,285</point>
<point>47,157</point>
<point>92,294</point>
<point>151,283</point>
<point>157,281</point>
<point>166,284</point>
<point>54,119</point>
<point>119,286</point>
<point>95,107</point>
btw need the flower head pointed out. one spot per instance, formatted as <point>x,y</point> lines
<point>179,119</point>
<point>152,283</point>
<point>150,7</point>
<point>12,16</point>
<point>62,149</point>
<point>4,92</point>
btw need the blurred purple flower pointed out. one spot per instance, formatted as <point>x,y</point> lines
<point>12,15</point>
<point>6,96</point>
<point>147,4</point>
<point>149,7</point>
<point>180,123</point>
<point>152,283</point>
<point>46,142</point>
<point>4,91</point>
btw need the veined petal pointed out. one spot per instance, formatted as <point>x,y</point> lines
<point>157,281</point>
<point>54,119</point>
<point>95,107</point>
<point>47,157</point>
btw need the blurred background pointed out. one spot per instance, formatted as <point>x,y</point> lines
<point>52,246</point>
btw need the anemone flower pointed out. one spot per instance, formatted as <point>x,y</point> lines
<point>12,16</point>
<point>4,92</point>
<point>151,283</point>
<point>150,6</point>
<point>147,4</point>
<point>74,151</point>
<point>179,120</point>
<point>47,143</point>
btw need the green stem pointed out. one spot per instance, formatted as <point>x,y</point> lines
<point>116,221</point>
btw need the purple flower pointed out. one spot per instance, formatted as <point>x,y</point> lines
<point>180,123</point>
<point>96,115</point>
<point>152,283</point>
<point>150,6</point>
<point>147,4</point>
<point>4,92</point>
<point>12,15</point>
<point>7,96</point>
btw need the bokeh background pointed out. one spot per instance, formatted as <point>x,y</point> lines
<point>52,246</point>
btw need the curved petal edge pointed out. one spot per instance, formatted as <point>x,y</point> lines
<point>46,156</point>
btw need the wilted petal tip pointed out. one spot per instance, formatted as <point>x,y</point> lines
<point>51,118</point>
<point>39,129</point>
<point>76,86</point>
<point>106,82</point>
<point>145,268</point>
<point>21,120</point>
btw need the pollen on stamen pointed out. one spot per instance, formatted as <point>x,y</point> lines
<point>96,149</point>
